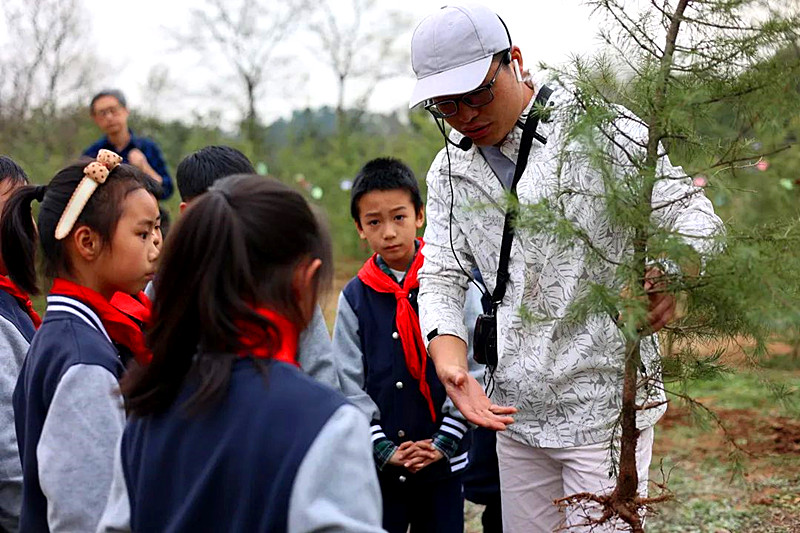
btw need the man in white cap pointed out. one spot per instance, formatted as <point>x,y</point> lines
<point>562,379</point>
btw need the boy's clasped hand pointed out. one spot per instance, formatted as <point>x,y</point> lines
<point>414,456</point>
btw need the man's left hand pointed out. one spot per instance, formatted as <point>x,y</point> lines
<point>661,306</point>
<point>138,159</point>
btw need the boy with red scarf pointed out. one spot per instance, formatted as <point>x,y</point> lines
<point>417,434</point>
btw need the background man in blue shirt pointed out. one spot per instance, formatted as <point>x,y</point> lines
<point>110,112</point>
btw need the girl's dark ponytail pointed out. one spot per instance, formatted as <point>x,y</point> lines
<point>185,308</point>
<point>18,237</point>
<point>236,248</point>
<point>39,191</point>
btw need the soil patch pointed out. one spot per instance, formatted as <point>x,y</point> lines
<point>753,431</point>
<point>737,352</point>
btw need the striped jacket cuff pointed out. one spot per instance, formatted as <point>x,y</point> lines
<point>448,438</point>
<point>459,462</point>
<point>382,447</point>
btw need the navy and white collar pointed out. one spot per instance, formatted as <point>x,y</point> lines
<point>67,304</point>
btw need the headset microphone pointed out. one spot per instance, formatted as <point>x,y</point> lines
<point>465,143</point>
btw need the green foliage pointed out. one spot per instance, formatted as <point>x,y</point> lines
<point>306,145</point>
<point>688,364</point>
<point>700,469</point>
<point>715,85</point>
<point>720,93</point>
<point>328,160</point>
<point>42,143</point>
<point>750,289</point>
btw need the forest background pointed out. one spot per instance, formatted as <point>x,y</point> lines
<point>48,72</point>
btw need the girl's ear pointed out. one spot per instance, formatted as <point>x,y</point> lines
<point>303,287</point>
<point>87,243</point>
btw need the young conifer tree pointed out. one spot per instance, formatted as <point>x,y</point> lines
<point>715,85</point>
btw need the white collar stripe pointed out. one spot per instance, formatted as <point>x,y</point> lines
<point>79,309</point>
<point>72,311</point>
<point>78,306</point>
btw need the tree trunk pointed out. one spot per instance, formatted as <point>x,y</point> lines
<point>626,491</point>
<point>628,480</point>
<point>251,120</point>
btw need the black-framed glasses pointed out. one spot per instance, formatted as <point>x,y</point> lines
<point>475,98</point>
<point>112,111</point>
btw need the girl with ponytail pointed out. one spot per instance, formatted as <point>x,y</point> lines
<point>98,234</point>
<point>225,431</point>
<point>18,322</point>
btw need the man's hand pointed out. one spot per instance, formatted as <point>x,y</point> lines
<point>402,453</point>
<point>469,397</point>
<point>661,306</point>
<point>139,160</point>
<point>422,454</point>
<point>449,354</point>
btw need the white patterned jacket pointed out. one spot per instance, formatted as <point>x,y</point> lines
<point>565,379</point>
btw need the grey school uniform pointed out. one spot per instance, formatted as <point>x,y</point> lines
<point>16,332</point>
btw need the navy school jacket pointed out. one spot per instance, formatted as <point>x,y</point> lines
<point>11,310</point>
<point>16,332</point>
<point>237,465</point>
<point>67,411</point>
<point>403,411</point>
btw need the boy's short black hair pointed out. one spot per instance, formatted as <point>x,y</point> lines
<point>116,93</point>
<point>198,171</point>
<point>384,174</point>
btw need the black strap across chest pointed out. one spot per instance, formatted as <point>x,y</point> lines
<point>528,134</point>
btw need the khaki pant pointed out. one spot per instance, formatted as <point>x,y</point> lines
<point>531,478</point>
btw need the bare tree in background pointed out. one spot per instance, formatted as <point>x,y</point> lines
<point>246,34</point>
<point>156,89</point>
<point>44,59</point>
<point>361,47</point>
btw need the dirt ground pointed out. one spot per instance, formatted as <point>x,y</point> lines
<point>743,479</point>
<point>740,473</point>
<point>751,430</point>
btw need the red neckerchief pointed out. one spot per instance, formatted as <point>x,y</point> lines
<point>120,327</point>
<point>407,319</point>
<point>255,341</point>
<point>22,297</point>
<point>136,306</point>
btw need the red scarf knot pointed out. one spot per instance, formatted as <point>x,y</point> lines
<point>257,342</point>
<point>119,326</point>
<point>22,298</point>
<point>407,320</point>
<point>137,306</point>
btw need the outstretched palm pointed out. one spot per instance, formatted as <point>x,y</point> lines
<point>470,398</point>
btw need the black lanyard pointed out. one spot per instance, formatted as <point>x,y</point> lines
<point>528,133</point>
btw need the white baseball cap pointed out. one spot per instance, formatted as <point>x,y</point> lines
<point>452,49</point>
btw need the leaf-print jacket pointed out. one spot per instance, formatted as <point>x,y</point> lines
<point>565,378</point>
